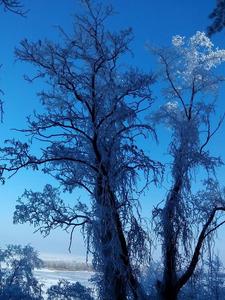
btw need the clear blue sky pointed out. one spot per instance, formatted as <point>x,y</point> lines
<point>153,22</point>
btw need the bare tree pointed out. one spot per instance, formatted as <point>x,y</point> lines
<point>89,131</point>
<point>191,83</point>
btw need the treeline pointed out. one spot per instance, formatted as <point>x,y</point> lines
<point>66,265</point>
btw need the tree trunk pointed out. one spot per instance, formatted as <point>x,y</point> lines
<point>167,288</point>
<point>167,292</point>
<point>137,291</point>
<point>114,283</point>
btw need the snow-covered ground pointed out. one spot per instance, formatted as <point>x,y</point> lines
<point>50,277</point>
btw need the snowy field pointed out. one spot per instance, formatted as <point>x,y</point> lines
<point>50,277</point>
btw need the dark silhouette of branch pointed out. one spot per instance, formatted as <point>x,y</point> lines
<point>14,6</point>
<point>218,17</point>
<point>197,251</point>
<point>210,133</point>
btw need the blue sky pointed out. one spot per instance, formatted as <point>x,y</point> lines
<point>153,22</point>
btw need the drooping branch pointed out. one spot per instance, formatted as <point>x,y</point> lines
<point>47,211</point>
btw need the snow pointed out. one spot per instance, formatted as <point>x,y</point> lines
<point>51,277</point>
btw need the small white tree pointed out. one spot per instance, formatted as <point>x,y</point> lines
<point>16,273</point>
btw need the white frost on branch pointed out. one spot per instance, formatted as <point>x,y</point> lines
<point>195,58</point>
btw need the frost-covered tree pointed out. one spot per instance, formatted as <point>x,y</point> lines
<point>88,129</point>
<point>65,290</point>
<point>17,281</point>
<point>186,220</point>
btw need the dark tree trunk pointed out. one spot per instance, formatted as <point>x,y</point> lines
<point>137,291</point>
<point>167,289</point>
<point>168,293</point>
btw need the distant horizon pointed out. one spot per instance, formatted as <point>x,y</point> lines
<point>61,257</point>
